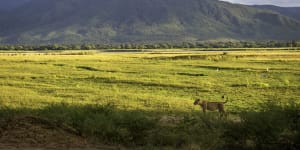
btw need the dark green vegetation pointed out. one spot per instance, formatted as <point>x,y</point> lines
<point>142,21</point>
<point>145,100</point>
<point>274,127</point>
<point>197,46</point>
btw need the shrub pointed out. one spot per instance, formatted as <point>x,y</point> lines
<point>104,122</point>
<point>275,127</point>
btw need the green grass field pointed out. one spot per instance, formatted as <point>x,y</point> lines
<point>68,86</point>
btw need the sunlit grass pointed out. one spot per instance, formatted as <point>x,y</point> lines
<point>146,99</point>
<point>150,81</point>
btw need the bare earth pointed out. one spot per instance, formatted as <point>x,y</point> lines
<point>29,133</point>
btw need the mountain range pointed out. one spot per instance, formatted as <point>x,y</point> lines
<point>6,5</point>
<point>293,12</point>
<point>142,21</point>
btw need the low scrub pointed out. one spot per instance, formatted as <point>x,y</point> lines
<point>274,127</point>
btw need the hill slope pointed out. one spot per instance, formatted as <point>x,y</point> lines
<point>6,5</point>
<point>293,12</point>
<point>103,21</point>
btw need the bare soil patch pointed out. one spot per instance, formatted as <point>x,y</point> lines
<point>29,132</point>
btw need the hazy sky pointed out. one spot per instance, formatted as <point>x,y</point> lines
<point>285,3</point>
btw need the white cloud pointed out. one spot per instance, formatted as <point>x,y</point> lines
<point>285,3</point>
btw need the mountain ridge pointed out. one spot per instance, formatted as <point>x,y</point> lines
<point>293,12</point>
<point>121,21</point>
<point>11,4</point>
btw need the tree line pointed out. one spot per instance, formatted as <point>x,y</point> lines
<point>240,44</point>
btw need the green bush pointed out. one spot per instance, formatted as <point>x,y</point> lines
<point>104,122</point>
<point>275,127</point>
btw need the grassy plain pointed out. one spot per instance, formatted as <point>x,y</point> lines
<point>145,92</point>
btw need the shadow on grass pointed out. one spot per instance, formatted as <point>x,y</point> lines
<point>99,70</point>
<point>191,74</point>
<point>142,83</point>
<point>275,127</point>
